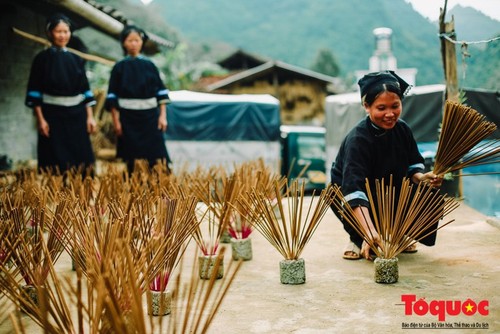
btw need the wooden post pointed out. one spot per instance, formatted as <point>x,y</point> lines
<point>449,58</point>
<point>449,55</point>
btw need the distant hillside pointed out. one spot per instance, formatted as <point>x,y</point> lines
<point>472,25</point>
<point>294,31</point>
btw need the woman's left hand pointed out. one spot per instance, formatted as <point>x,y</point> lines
<point>162,124</point>
<point>91,125</point>
<point>435,180</point>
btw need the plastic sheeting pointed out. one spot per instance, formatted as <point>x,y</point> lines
<point>196,116</point>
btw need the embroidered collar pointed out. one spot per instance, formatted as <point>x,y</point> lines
<point>377,131</point>
<point>56,48</point>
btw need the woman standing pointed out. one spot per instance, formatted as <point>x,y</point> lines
<point>379,146</point>
<point>137,99</point>
<point>59,93</point>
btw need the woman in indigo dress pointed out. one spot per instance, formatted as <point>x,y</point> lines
<point>137,99</point>
<point>379,146</point>
<point>59,93</point>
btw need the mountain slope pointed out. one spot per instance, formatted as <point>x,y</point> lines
<point>293,31</point>
<point>472,25</point>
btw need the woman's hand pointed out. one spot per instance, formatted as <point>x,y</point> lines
<point>162,119</point>
<point>43,127</point>
<point>162,124</point>
<point>365,247</point>
<point>435,180</point>
<point>118,128</point>
<point>91,125</point>
<point>115,115</point>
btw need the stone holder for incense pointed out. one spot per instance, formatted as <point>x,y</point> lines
<point>161,303</point>
<point>29,292</point>
<point>206,266</point>
<point>386,270</point>
<point>225,237</point>
<point>292,271</point>
<point>241,249</point>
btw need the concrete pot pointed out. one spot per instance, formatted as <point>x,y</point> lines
<point>241,249</point>
<point>386,270</point>
<point>225,238</point>
<point>206,266</point>
<point>292,271</point>
<point>160,303</point>
<point>31,294</point>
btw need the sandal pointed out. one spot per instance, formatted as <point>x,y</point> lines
<point>351,252</point>
<point>411,249</point>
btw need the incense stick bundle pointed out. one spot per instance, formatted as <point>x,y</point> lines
<point>290,234</point>
<point>460,142</point>
<point>400,222</point>
<point>99,217</point>
<point>197,301</point>
<point>216,194</point>
<point>248,174</point>
<point>31,282</point>
<point>164,246</point>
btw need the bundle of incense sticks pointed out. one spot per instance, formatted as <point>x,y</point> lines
<point>290,230</point>
<point>462,142</point>
<point>401,221</point>
<point>127,239</point>
<point>216,193</point>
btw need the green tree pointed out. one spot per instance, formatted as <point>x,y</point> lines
<point>326,63</point>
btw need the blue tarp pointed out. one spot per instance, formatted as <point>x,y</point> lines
<point>196,116</point>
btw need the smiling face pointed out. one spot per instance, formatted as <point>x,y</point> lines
<point>60,35</point>
<point>385,110</point>
<point>133,44</point>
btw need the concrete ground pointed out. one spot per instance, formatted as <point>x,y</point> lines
<point>341,296</point>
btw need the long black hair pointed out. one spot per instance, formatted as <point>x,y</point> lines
<point>130,29</point>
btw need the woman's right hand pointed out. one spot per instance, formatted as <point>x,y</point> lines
<point>43,127</point>
<point>118,128</point>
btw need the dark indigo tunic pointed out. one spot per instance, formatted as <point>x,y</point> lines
<point>60,73</point>
<point>374,153</point>
<point>138,78</point>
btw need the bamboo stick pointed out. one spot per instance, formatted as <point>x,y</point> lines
<point>47,43</point>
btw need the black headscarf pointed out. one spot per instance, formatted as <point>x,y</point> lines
<point>376,79</point>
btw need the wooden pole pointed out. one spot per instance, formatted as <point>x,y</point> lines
<point>45,42</point>
<point>449,58</point>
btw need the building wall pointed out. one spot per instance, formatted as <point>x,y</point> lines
<point>18,134</point>
<point>301,102</point>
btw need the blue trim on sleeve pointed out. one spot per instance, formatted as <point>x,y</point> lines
<point>111,96</point>
<point>417,166</point>
<point>415,169</point>
<point>356,195</point>
<point>35,94</point>
<point>88,94</point>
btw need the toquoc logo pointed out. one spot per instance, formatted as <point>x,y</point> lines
<point>442,308</point>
